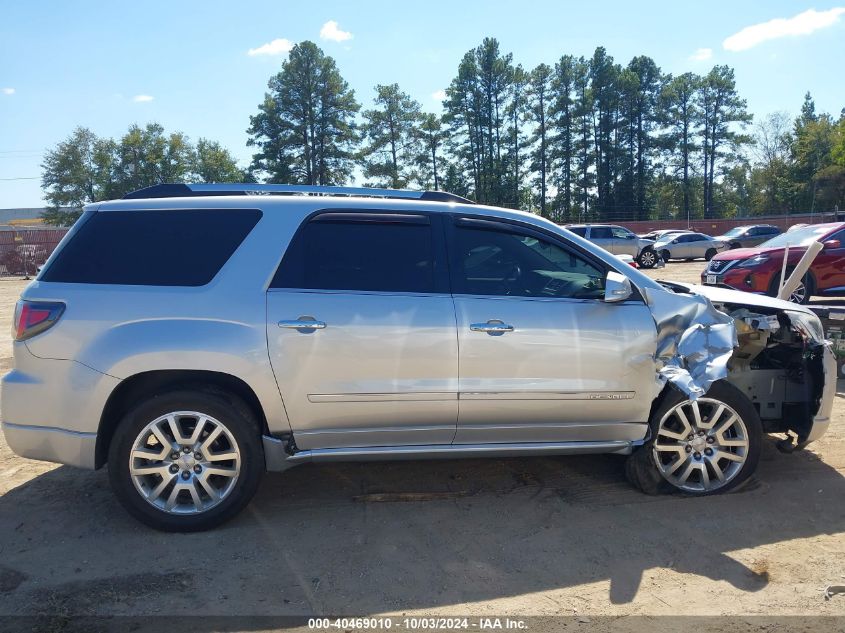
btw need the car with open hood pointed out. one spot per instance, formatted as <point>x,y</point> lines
<point>760,269</point>
<point>191,337</point>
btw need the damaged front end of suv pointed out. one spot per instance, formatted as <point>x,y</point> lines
<point>774,352</point>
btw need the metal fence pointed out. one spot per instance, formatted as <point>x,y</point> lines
<point>23,250</point>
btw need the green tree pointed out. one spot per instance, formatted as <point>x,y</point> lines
<point>563,114</point>
<point>391,133</point>
<point>305,127</point>
<point>429,159</point>
<point>681,118</point>
<point>771,174</point>
<point>540,99</point>
<point>723,117</point>
<point>214,163</point>
<point>79,170</point>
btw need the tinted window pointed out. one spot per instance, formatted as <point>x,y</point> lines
<point>373,254</point>
<point>579,230</point>
<point>492,262</point>
<point>601,233</point>
<point>152,248</point>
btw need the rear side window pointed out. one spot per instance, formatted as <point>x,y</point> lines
<point>579,230</point>
<point>367,253</point>
<point>187,247</point>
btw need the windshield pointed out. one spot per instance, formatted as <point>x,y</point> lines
<point>737,230</point>
<point>799,237</point>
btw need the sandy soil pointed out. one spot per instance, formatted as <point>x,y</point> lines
<point>538,536</point>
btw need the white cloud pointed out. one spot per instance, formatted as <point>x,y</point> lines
<point>331,31</point>
<point>279,46</point>
<point>702,54</point>
<point>8,91</point>
<point>438,95</point>
<point>801,24</point>
<point>142,98</point>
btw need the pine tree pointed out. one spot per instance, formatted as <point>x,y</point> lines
<point>393,141</point>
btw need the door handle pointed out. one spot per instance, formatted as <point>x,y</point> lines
<point>493,326</point>
<point>303,323</point>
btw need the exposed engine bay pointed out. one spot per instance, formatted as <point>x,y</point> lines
<point>773,354</point>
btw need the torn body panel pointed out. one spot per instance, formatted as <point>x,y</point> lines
<point>773,351</point>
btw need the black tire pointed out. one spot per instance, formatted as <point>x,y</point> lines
<point>230,412</point>
<point>710,254</point>
<point>642,471</point>
<point>648,258</point>
<point>808,281</point>
<point>665,255</point>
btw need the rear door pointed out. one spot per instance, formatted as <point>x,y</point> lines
<point>361,332</point>
<point>603,236</point>
<point>542,357</point>
<point>829,266</point>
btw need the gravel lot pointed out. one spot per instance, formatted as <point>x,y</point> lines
<point>540,536</point>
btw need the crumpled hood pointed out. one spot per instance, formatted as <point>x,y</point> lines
<point>737,297</point>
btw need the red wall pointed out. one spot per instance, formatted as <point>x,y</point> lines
<point>720,226</point>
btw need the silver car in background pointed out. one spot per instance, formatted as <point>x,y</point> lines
<point>193,336</point>
<point>689,245</point>
<point>619,241</point>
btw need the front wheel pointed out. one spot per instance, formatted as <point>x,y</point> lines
<point>710,254</point>
<point>186,461</point>
<point>802,293</point>
<point>699,447</point>
<point>647,258</point>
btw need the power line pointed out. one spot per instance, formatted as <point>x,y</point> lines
<point>22,178</point>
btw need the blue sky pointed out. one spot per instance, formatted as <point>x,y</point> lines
<point>106,65</point>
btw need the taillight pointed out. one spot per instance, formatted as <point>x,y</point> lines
<point>34,317</point>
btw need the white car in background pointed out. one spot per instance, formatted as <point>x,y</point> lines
<point>619,241</point>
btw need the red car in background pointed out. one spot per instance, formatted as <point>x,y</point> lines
<point>758,269</point>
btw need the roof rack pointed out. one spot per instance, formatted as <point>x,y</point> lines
<point>180,190</point>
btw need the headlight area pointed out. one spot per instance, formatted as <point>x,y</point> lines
<point>779,365</point>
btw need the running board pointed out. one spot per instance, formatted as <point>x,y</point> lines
<point>277,459</point>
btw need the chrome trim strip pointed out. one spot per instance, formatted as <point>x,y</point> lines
<point>547,395</point>
<point>411,396</point>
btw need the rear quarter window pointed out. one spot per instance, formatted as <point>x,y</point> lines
<point>185,247</point>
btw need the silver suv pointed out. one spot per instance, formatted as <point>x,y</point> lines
<point>619,241</point>
<point>193,336</point>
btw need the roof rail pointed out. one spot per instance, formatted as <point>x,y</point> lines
<point>179,190</point>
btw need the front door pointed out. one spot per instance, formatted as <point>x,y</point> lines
<point>361,332</point>
<point>542,356</point>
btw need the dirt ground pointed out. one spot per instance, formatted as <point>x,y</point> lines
<point>538,536</point>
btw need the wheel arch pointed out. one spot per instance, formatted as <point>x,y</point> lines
<point>149,383</point>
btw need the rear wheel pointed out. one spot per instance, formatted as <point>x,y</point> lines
<point>186,461</point>
<point>647,258</point>
<point>699,447</point>
<point>710,254</point>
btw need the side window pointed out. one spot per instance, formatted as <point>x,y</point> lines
<point>579,230</point>
<point>372,253</point>
<point>503,263</point>
<point>601,233</point>
<point>173,247</point>
<point>620,233</point>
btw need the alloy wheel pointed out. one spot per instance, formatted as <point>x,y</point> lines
<point>701,445</point>
<point>648,259</point>
<point>184,462</point>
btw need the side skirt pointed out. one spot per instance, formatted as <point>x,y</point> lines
<point>278,459</point>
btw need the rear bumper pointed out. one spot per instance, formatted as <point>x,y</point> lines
<point>51,409</point>
<point>52,444</point>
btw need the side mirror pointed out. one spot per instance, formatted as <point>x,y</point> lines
<point>832,244</point>
<point>617,287</point>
